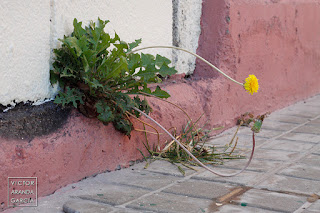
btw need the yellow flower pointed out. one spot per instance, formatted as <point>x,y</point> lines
<point>251,84</point>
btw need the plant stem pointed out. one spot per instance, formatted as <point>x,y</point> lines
<point>193,157</point>
<point>197,56</point>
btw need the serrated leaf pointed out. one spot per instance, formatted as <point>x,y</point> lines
<point>160,60</point>
<point>97,32</point>
<point>72,42</point>
<point>160,93</point>
<point>134,44</point>
<point>123,126</point>
<point>71,95</point>
<point>147,60</point>
<point>95,84</point>
<point>165,70</point>
<point>54,77</point>
<point>67,73</point>
<point>148,73</point>
<point>78,30</point>
<point>142,105</point>
<point>105,112</point>
<point>133,62</point>
<point>104,44</point>
<point>118,67</point>
<point>122,45</point>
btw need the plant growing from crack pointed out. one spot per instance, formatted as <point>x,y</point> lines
<point>103,77</point>
<point>97,76</point>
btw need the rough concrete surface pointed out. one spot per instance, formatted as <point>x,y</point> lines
<point>282,184</point>
<point>26,121</point>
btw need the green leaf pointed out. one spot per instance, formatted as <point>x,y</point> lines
<point>160,93</point>
<point>148,73</point>
<point>104,44</point>
<point>134,44</point>
<point>142,105</point>
<point>78,30</point>
<point>133,62</point>
<point>147,60</point>
<point>257,126</point>
<point>123,126</point>
<point>95,84</point>
<point>72,95</point>
<point>105,112</point>
<point>160,60</point>
<point>67,73</point>
<point>118,68</point>
<point>54,77</point>
<point>165,70</point>
<point>121,46</point>
<point>72,42</point>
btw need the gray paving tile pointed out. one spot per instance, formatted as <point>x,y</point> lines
<point>164,202</point>
<point>311,160</point>
<point>278,126</point>
<point>244,138</point>
<point>308,129</point>
<point>128,210</point>
<point>85,206</point>
<point>314,208</point>
<point>287,145</point>
<point>301,137</point>
<point>255,165</point>
<point>302,171</point>
<point>316,151</point>
<point>303,110</point>
<point>271,200</point>
<point>220,140</point>
<point>279,155</point>
<point>242,209</point>
<point>245,177</point>
<point>295,113</point>
<point>264,133</point>
<point>290,184</point>
<point>195,188</point>
<point>278,116</point>
<point>314,122</point>
<point>165,167</point>
<point>114,194</point>
<point>313,101</point>
<point>140,178</point>
<point>38,209</point>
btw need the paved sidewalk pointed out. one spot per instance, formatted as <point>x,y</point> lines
<point>282,177</point>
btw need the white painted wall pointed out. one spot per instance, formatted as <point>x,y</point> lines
<point>24,50</point>
<point>29,29</point>
<point>150,20</point>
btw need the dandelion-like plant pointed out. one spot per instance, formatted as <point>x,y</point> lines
<point>250,85</point>
<point>98,80</point>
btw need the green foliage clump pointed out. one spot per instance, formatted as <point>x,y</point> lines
<point>99,76</point>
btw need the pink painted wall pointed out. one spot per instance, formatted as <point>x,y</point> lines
<point>276,40</point>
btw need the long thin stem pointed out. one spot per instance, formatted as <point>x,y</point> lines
<point>193,157</point>
<point>178,48</point>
